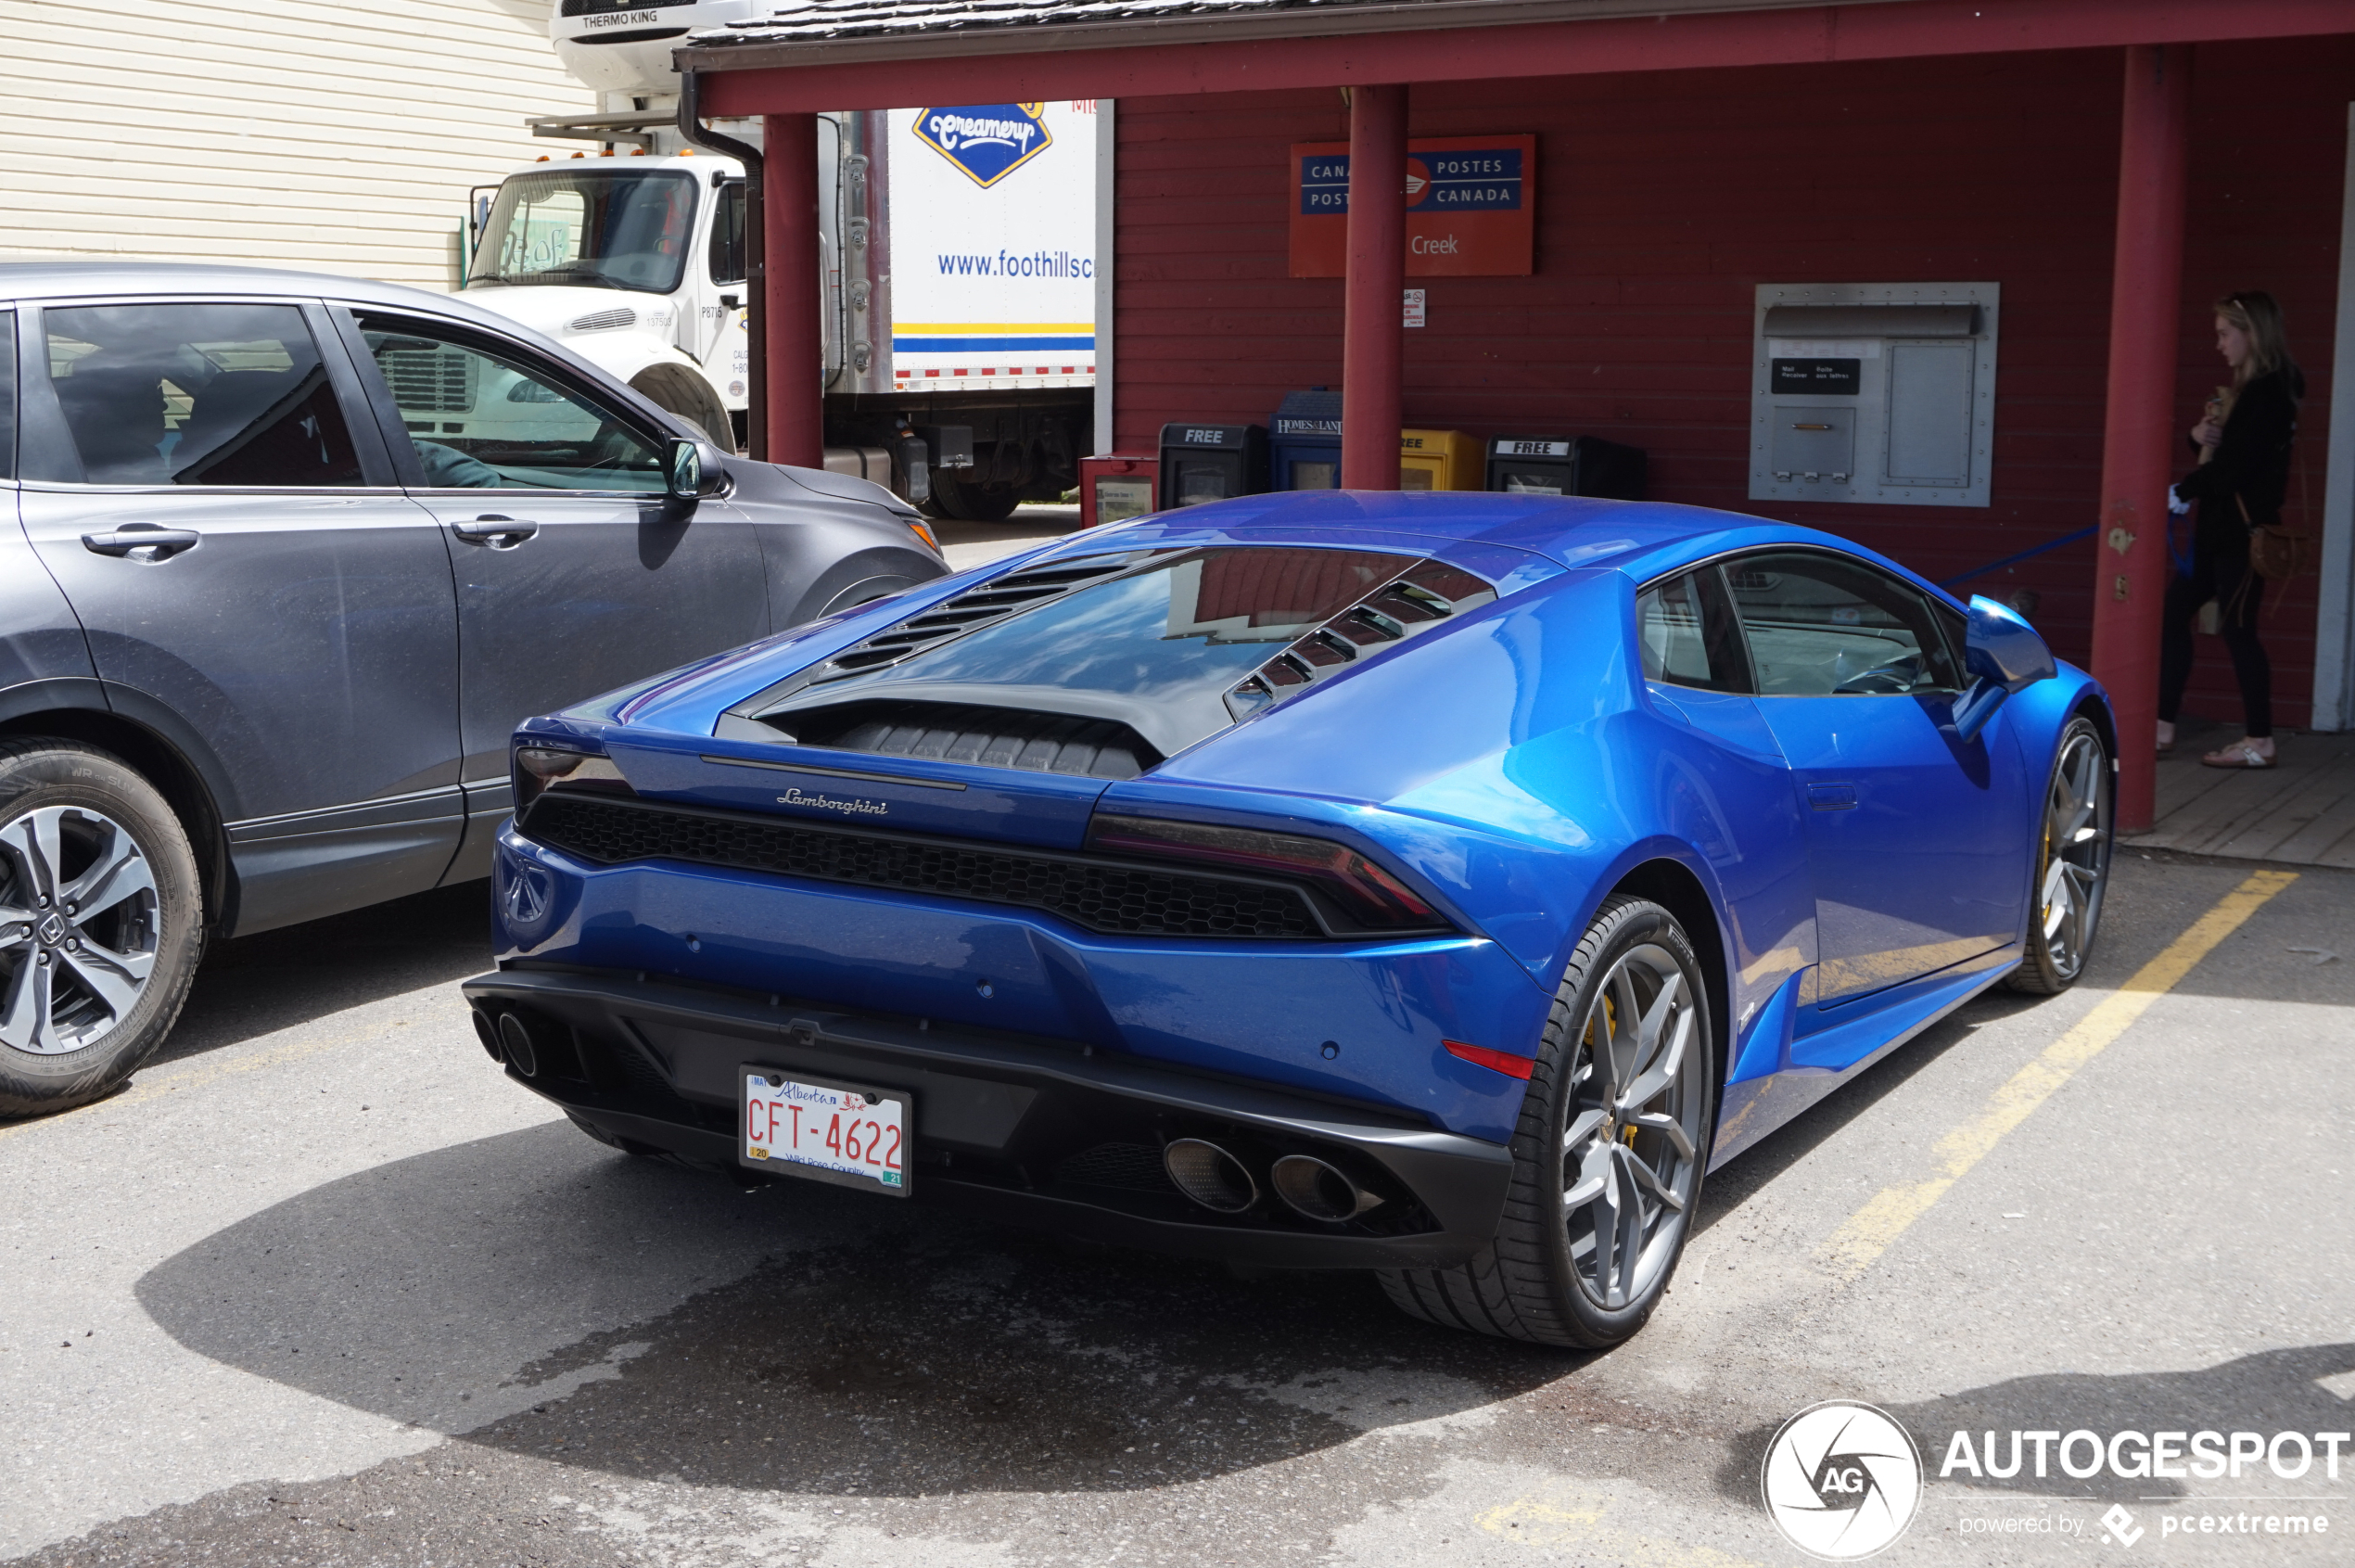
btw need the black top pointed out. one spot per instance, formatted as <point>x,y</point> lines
<point>2251,464</point>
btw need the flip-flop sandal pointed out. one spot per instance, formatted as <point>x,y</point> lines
<point>2238,755</point>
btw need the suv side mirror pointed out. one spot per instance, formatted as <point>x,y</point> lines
<point>2005,655</point>
<point>689,473</point>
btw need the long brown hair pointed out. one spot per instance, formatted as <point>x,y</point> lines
<point>2254,312</point>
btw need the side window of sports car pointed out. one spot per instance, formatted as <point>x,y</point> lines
<point>1687,634</point>
<point>1820,625</point>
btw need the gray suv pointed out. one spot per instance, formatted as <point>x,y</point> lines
<point>283,561</point>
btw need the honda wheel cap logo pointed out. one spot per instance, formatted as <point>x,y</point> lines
<point>1841,1480</point>
<point>987,141</point>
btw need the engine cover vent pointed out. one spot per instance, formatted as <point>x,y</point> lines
<point>988,737</point>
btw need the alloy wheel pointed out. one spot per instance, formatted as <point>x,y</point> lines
<point>79,928</point>
<point>2075,853</point>
<point>1631,1145</point>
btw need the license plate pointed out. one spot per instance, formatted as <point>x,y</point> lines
<point>828,1132</point>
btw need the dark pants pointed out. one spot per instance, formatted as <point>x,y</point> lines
<point>2237,591</point>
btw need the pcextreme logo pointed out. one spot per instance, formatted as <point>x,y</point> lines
<point>987,141</point>
<point>1841,1480</point>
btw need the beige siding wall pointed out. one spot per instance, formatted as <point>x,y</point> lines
<point>339,136</point>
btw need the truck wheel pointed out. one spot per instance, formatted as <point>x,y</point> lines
<point>101,923</point>
<point>680,391</point>
<point>968,502</point>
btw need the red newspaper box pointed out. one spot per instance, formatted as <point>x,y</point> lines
<point>1116,488</point>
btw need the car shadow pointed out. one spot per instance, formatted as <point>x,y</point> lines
<point>535,1292</point>
<point>251,986</point>
<point>2267,1392</point>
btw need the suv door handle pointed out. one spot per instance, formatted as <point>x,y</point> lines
<point>500,533</point>
<point>141,542</point>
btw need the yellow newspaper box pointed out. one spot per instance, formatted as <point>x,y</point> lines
<point>1440,460</point>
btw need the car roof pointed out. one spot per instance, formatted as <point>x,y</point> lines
<point>68,277</point>
<point>1643,539</point>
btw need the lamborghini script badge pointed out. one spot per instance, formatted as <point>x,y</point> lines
<point>829,803</point>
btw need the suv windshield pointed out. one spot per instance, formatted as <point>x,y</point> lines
<point>614,228</point>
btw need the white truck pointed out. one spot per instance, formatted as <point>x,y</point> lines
<point>959,266</point>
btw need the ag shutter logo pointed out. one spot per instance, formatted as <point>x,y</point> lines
<point>1841,1480</point>
<point>986,141</point>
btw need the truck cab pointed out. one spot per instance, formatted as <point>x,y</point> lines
<point>638,264</point>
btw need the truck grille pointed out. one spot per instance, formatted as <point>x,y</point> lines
<point>430,381</point>
<point>1103,895</point>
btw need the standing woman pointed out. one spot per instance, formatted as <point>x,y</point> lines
<point>2243,471</point>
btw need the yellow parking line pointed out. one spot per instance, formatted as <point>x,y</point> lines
<point>1576,1525</point>
<point>1868,1232</point>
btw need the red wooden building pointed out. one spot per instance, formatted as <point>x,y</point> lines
<point>2113,164</point>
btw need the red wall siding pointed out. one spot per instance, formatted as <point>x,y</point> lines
<point>1665,198</point>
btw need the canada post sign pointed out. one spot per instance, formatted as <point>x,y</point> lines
<point>986,141</point>
<point>1470,207</point>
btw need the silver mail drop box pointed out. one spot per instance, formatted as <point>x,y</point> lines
<point>1873,393</point>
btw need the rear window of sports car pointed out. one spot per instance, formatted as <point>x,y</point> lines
<point>1156,648</point>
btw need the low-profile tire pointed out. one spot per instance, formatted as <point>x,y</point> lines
<point>1608,1154</point>
<point>101,923</point>
<point>971,502</point>
<point>2074,836</point>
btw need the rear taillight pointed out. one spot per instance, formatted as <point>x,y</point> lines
<point>1362,892</point>
<point>540,768</point>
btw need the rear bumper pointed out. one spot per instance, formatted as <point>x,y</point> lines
<point>1031,1130</point>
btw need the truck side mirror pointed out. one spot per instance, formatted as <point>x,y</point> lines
<point>2005,656</point>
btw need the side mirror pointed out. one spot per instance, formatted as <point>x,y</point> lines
<point>2003,654</point>
<point>682,471</point>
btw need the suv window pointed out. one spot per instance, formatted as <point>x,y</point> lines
<point>1821,625</point>
<point>7,394</point>
<point>482,420</point>
<point>225,394</point>
<point>1687,634</point>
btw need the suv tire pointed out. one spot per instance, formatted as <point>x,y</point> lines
<point>101,923</point>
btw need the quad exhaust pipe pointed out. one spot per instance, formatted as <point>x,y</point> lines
<point>1218,1180</point>
<point>1316,1191</point>
<point>1210,1176</point>
<point>506,1036</point>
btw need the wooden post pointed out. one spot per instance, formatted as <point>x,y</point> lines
<point>793,371</point>
<point>2139,441</point>
<point>1374,300</point>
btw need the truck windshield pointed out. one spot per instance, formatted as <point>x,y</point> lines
<point>604,228</point>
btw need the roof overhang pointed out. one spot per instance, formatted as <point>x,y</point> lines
<point>1398,41</point>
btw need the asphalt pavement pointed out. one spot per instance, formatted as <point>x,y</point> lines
<point>324,1287</point>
